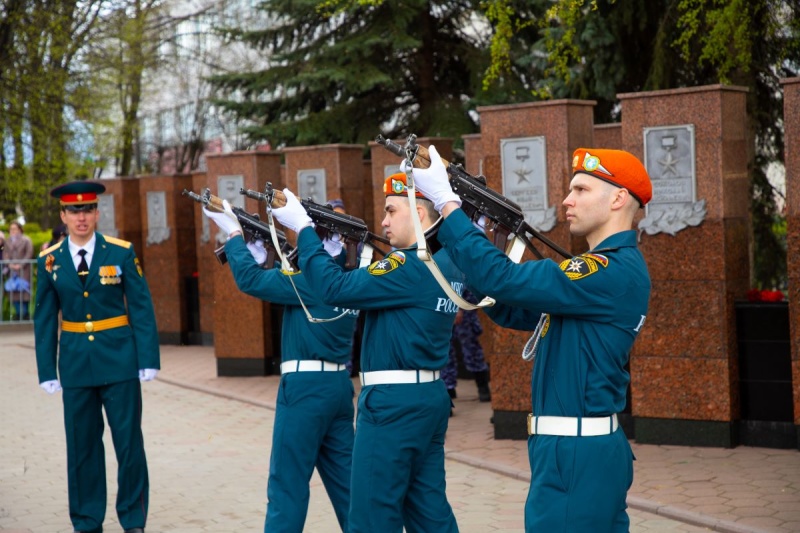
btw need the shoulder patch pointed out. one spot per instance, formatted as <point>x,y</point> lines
<point>118,242</point>
<point>391,262</point>
<point>51,249</point>
<point>583,265</point>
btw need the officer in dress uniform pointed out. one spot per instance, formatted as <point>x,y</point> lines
<point>106,345</point>
<point>403,410</point>
<point>314,414</point>
<point>586,313</point>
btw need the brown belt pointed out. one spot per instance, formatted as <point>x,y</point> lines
<point>94,325</point>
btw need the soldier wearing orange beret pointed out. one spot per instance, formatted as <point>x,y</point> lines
<point>398,475</point>
<point>585,313</point>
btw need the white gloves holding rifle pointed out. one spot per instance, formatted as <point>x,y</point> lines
<point>226,221</point>
<point>433,181</point>
<point>293,215</point>
<point>333,245</point>
<point>258,251</point>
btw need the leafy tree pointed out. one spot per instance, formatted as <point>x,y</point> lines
<point>42,39</point>
<point>684,43</point>
<point>596,49</point>
<point>396,66</point>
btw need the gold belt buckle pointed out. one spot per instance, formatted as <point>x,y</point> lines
<point>89,327</point>
<point>530,420</point>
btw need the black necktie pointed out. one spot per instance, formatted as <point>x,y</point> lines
<point>83,266</point>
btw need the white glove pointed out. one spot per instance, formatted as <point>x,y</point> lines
<point>333,245</point>
<point>147,374</point>
<point>226,221</point>
<point>258,251</point>
<point>293,215</point>
<point>433,181</point>
<point>51,386</point>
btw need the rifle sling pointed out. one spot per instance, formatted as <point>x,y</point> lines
<point>427,258</point>
<point>286,266</point>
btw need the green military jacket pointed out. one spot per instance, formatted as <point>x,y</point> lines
<point>115,287</point>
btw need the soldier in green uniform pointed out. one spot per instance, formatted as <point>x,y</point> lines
<point>106,345</point>
<point>403,410</point>
<point>314,410</point>
<point>586,313</point>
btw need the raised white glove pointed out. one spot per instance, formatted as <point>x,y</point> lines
<point>433,181</point>
<point>333,245</point>
<point>226,221</point>
<point>258,251</point>
<point>51,386</point>
<point>147,374</point>
<point>293,215</point>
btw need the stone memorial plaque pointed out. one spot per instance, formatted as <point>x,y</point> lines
<point>524,170</point>
<point>669,158</point>
<point>311,184</point>
<point>228,188</point>
<point>107,224</point>
<point>157,230</point>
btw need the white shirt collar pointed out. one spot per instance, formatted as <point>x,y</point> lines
<point>89,246</point>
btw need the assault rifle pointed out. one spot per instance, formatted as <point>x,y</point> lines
<point>478,199</point>
<point>353,231</point>
<point>253,229</point>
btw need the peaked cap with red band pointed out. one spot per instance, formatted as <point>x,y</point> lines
<point>616,167</point>
<point>396,185</point>
<point>77,193</point>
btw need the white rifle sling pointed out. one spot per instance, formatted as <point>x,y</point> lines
<point>427,258</point>
<point>286,267</point>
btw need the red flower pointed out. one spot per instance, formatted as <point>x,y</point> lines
<point>755,295</point>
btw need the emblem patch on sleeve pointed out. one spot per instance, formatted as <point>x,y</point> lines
<point>583,265</point>
<point>391,262</point>
<point>138,266</point>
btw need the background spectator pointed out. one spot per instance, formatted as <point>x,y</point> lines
<point>58,235</point>
<point>19,248</point>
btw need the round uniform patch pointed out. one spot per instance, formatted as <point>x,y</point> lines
<point>391,262</point>
<point>398,187</point>
<point>591,163</point>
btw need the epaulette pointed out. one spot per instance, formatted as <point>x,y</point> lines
<point>118,242</point>
<point>51,249</point>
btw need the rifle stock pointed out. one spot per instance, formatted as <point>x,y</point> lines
<point>352,230</point>
<point>478,199</point>
<point>253,228</point>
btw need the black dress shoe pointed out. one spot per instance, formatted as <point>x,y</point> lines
<point>135,530</point>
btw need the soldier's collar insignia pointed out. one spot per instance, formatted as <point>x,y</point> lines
<point>391,262</point>
<point>583,265</point>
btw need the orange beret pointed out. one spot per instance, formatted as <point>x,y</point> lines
<point>617,167</point>
<point>396,185</point>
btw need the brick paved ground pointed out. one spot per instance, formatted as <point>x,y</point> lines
<point>208,442</point>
